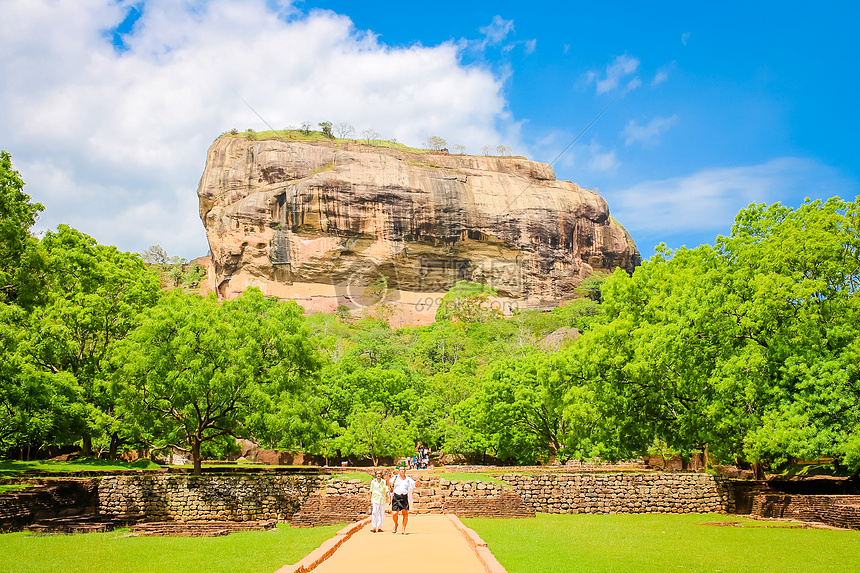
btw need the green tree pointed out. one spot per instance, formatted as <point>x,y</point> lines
<point>468,302</point>
<point>748,347</point>
<point>17,215</point>
<point>199,370</point>
<point>374,434</point>
<point>326,129</point>
<point>377,297</point>
<point>38,407</point>
<point>174,272</point>
<point>155,255</point>
<point>435,143</point>
<point>590,287</point>
<point>192,275</point>
<point>95,296</point>
<point>440,346</point>
<point>793,299</point>
<point>520,406</point>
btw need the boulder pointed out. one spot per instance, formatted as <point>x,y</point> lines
<point>318,222</point>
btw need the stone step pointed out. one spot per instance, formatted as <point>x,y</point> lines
<point>198,528</point>
<point>79,524</point>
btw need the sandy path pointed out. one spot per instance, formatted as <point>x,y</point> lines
<point>431,544</point>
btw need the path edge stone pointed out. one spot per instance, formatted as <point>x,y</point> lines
<point>478,545</point>
<point>326,549</point>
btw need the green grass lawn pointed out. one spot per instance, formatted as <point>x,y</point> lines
<point>5,488</point>
<point>298,135</point>
<point>470,476</point>
<point>651,543</point>
<point>363,476</point>
<point>14,468</point>
<point>244,552</point>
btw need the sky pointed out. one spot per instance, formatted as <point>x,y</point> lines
<point>678,113</point>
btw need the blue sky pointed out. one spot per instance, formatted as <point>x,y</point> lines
<point>111,105</point>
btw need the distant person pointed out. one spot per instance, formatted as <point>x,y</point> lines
<point>402,487</point>
<point>378,500</point>
<point>388,476</point>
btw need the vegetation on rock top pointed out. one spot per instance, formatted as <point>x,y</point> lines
<point>434,144</point>
<point>317,136</point>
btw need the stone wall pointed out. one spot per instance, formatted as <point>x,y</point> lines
<point>206,497</point>
<point>624,493</point>
<point>47,499</point>
<point>318,499</point>
<point>834,510</point>
<point>331,509</point>
<point>506,504</point>
<point>618,492</point>
<point>261,497</point>
<point>313,499</point>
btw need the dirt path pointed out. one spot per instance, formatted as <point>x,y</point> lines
<point>431,544</point>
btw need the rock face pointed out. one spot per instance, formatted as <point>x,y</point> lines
<point>318,222</point>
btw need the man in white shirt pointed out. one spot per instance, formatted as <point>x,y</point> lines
<point>402,487</point>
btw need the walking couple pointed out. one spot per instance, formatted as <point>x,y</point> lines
<point>401,487</point>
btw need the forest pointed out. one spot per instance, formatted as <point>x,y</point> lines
<point>746,348</point>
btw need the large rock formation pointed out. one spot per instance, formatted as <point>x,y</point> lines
<point>318,222</point>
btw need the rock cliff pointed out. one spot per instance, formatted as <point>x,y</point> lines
<point>318,222</point>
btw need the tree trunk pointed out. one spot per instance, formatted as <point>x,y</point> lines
<point>87,446</point>
<point>195,456</point>
<point>114,445</point>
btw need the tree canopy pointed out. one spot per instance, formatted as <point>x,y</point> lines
<point>197,370</point>
<point>747,349</point>
<point>748,346</point>
<point>17,215</point>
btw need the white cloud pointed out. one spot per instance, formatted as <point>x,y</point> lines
<point>647,134</point>
<point>632,85</point>
<point>115,143</point>
<point>662,73</point>
<point>707,201</point>
<point>601,160</point>
<point>496,32</point>
<point>530,46</point>
<point>684,37</point>
<point>621,67</point>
